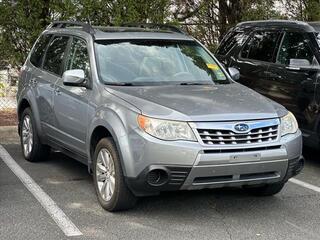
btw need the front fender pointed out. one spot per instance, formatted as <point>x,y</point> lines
<point>118,127</point>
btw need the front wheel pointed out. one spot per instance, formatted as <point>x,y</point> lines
<point>265,190</point>
<point>112,191</point>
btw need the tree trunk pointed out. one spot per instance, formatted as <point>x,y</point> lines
<point>223,18</point>
<point>230,13</point>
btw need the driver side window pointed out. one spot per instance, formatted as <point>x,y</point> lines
<point>294,47</point>
<point>78,57</point>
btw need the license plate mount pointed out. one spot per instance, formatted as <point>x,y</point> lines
<point>245,157</point>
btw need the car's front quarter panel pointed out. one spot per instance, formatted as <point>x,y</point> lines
<point>118,117</point>
<point>293,144</point>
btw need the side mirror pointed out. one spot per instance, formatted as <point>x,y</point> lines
<point>299,62</point>
<point>303,65</point>
<point>75,77</point>
<point>234,73</point>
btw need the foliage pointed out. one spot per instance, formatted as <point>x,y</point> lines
<point>304,10</point>
<point>215,17</point>
<point>2,89</point>
<point>21,21</point>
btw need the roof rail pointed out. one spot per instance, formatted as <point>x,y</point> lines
<point>89,29</point>
<point>64,24</point>
<point>171,28</point>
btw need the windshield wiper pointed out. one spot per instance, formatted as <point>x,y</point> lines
<point>194,83</point>
<point>119,83</point>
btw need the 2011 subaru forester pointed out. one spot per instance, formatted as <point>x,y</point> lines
<point>149,109</point>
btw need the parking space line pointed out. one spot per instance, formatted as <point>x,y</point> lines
<point>304,184</point>
<point>61,219</point>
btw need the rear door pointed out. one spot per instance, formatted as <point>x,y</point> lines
<point>71,102</point>
<point>41,85</point>
<point>293,78</point>
<point>51,72</point>
<point>254,59</point>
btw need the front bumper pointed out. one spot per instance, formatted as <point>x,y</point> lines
<point>191,178</point>
<point>188,166</point>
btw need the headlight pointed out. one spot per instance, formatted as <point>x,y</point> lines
<point>288,124</point>
<point>166,130</point>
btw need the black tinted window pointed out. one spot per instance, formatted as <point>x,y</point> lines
<point>261,46</point>
<point>78,57</point>
<point>55,53</point>
<point>39,49</point>
<point>295,46</point>
<point>234,39</point>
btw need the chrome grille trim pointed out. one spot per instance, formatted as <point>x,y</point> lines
<point>218,134</point>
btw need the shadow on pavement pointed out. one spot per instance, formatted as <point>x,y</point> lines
<point>312,156</point>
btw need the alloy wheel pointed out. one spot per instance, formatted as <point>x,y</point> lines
<point>27,135</point>
<point>105,174</point>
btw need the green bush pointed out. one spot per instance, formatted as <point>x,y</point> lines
<point>2,89</point>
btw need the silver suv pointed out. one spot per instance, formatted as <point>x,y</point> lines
<point>149,109</point>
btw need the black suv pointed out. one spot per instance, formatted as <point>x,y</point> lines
<point>279,59</point>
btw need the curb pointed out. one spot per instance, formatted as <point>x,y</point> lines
<point>8,129</point>
<point>9,135</point>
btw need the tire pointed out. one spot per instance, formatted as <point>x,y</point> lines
<point>108,174</point>
<point>36,151</point>
<point>266,190</point>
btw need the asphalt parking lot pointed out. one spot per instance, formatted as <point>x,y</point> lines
<point>209,214</point>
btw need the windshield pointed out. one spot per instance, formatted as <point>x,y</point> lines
<point>156,62</point>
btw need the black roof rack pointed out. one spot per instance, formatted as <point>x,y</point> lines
<point>154,26</point>
<point>64,24</point>
<point>90,29</point>
<point>276,23</point>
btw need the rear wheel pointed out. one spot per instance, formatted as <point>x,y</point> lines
<point>33,150</point>
<point>112,191</point>
<point>265,190</point>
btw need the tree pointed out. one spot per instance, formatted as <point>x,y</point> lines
<point>20,24</point>
<point>18,33</point>
<point>215,17</point>
<point>304,10</point>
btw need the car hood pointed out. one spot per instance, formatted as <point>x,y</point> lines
<point>228,102</point>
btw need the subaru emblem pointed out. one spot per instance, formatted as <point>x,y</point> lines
<point>241,127</point>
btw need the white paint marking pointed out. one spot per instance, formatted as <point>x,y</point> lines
<point>44,199</point>
<point>305,231</point>
<point>304,184</point>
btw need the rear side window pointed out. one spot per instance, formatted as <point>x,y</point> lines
<point>232,40</point>
<point>295,46</point>
<point>39,49</point>
<point>55,55</point>
<point>261,46</point>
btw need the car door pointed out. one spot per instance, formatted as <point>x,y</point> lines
<point>254,59</point>
<point>293,78</point>
<point>43,77</point>
<point>71,102</point>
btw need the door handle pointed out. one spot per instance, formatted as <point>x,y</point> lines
<point>273,75</point>
<point>33,82</point>
<point>57,91</point>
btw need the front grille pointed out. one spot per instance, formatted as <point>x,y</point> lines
<point>229,137</point>
<point>232,178</point>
